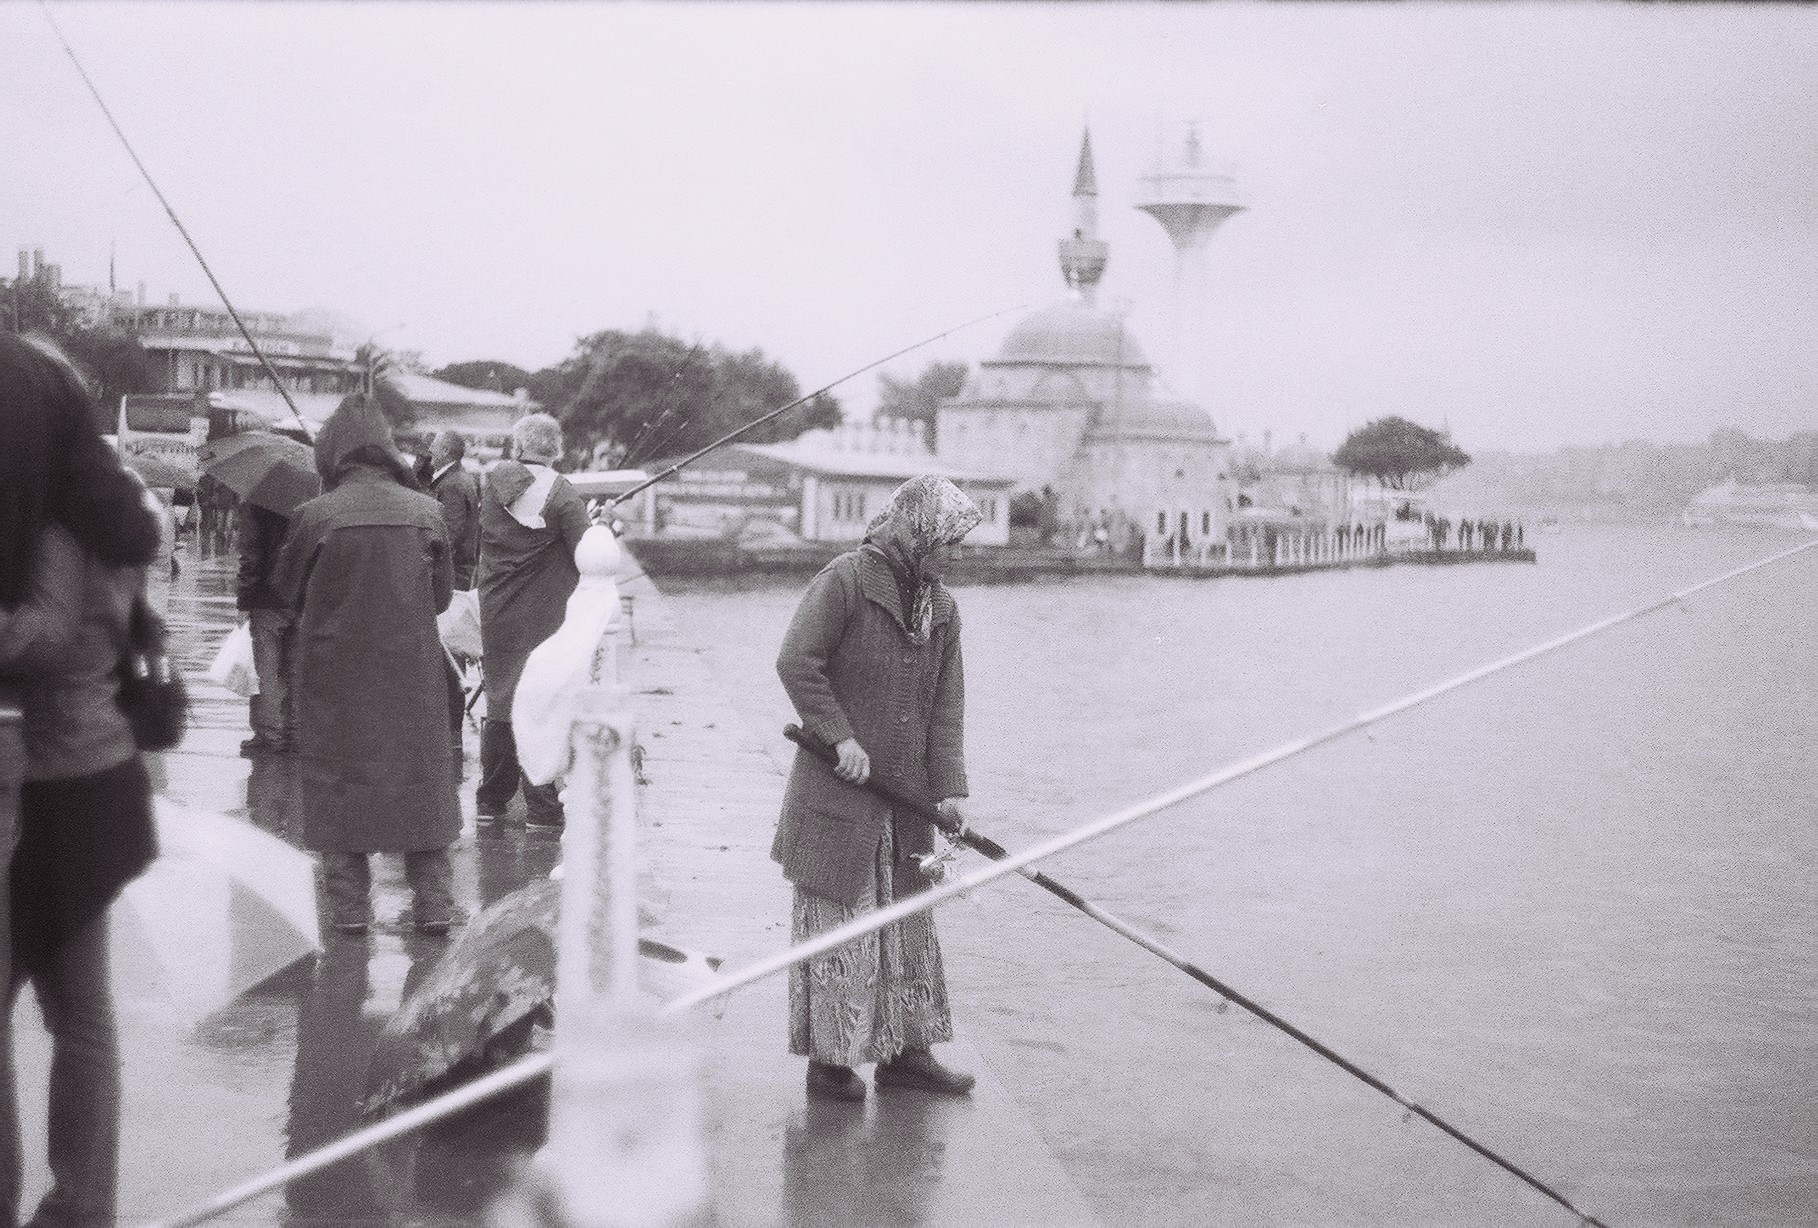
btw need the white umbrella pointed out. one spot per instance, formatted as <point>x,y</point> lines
<point>224,906</point>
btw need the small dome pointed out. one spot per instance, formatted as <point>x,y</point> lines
<point>1170,420</point>
<point>1072,332</point>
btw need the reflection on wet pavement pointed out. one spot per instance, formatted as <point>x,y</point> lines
<point>281,1070</point>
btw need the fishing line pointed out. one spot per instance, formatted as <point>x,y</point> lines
<point>176,221</point>
<point>727,438</point>
<point>527,1069</point>
<point>663,410</point>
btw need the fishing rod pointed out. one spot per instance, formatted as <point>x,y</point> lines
<point>982,843</point>
<point>528,1069</point>
<point>176,221</point>
<point>729,436</point>
<point>664,410</point>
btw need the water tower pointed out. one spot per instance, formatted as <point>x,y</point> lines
<point>1190,198</point>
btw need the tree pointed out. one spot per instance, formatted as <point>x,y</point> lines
<point>1402,455</point>
<point>919,399</point>
<point>116,362</point>
<point>638,396</point>
<point>485,375</point>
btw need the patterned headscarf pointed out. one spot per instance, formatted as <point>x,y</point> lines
<point>924,514</point>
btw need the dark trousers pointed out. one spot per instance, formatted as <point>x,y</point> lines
<point>71,984</point>
<point>501,778</point>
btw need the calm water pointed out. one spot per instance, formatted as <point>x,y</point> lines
<point>1570,909</point>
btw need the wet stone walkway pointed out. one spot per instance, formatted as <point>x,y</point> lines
<point>280,1071</point>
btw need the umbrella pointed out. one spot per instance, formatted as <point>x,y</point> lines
<point>271,471</point>
<point>492,985</point>
<point>161,471</point>
<point>223,907</point>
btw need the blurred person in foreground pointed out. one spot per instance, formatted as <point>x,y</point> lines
<point>76,531</point>
<point>366,568</point>
<point>531,520</point>
<point>872,663</point>
<point>269,618</point>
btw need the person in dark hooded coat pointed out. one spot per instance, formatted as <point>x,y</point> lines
<point>367,567</point>
<point>531,520</point>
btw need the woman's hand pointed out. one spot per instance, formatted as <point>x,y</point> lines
<point>949,808</point>
<point>854,766</point>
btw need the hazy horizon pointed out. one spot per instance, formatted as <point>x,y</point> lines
<point>1538,225</point>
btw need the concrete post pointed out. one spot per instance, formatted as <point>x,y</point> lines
<point>624,1147</point>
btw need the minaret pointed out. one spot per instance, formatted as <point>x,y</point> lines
<point>1083,256</point>
<point>1190,198</point>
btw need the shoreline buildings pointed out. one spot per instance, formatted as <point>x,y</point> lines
<point>1072,408</point>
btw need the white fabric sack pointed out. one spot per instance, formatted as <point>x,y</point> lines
<point>233,664</point>
<point>459,624</point>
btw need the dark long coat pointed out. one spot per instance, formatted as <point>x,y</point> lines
<point>526,577</point>
<point>367,566</point>
<point>853,671</point>
<point>458,491</point>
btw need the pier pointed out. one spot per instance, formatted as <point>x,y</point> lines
<point>281,1070</point>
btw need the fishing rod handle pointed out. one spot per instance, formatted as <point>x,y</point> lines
<point>826,754</point>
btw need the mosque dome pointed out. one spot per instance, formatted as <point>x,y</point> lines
<point>1073,333</point>
<point>1156,419</point>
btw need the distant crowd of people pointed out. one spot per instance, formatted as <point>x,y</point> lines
<point>1483,536</point>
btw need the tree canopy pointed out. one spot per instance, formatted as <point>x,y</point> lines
<point>625,398</point>
<point>919,399</point>
<point>486,375</point>
<point>1402,455</point>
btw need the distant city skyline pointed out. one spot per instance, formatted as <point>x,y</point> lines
<point>1538,225</point>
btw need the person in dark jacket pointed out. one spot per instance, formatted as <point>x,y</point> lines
<point>76,531</point>
<point>269,618</point>
<point>872,664</point>
<point>531,520</point>
<point>366,568</point>
<point>458,491</point>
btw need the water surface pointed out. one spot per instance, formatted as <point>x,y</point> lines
<point>1569,909</point>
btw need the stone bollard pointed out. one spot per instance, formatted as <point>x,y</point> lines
<point>624,1147</point>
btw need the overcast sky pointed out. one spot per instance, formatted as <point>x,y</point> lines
<point>1537,224</point>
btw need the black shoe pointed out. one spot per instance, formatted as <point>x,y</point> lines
<point>917,1069</point>
<point>545,822</point>
<point>830,1082</point>
<point>259,744</point>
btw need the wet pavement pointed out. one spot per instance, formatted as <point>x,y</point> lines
<point>282,1069</point>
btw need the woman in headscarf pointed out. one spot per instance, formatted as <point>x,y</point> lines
<point>872,663</point>
<point>76,531</point>
<point>366,566</point>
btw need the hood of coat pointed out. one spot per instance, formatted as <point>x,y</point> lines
<point>358,434</point>
<point>509,479</point>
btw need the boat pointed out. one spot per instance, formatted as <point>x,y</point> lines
<point>1775,505</point>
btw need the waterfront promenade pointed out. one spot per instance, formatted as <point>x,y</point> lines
<point>280,1071</point>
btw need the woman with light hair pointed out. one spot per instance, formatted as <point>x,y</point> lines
<point>531,519</point>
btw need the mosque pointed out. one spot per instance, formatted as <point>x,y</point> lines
<point>1071,407</point>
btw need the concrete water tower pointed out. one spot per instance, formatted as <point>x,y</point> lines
<point>1191,198</point>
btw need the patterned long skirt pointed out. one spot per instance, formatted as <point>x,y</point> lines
<point>869,1000</point>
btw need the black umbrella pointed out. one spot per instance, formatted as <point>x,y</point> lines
<point>267,470</point>
<point>495,982</point>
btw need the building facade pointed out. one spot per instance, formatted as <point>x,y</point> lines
<point>1071,407</point>
<point>824,486</point>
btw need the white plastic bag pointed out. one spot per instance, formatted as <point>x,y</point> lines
<point>459,624</point>
<point>233,665</point>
